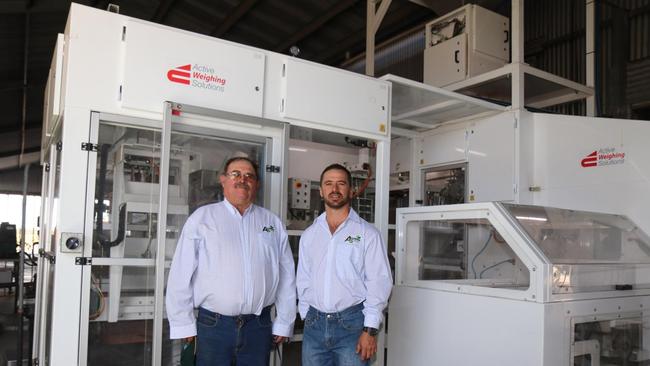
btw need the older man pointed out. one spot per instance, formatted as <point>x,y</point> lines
<point>343,279</point>
<point>233,262</point>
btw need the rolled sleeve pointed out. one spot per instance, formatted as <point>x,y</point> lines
<point>285,303</point>
<point>182,331</point>
<point>179,300</point>
<point>378,281</point>
<point>303,278</point>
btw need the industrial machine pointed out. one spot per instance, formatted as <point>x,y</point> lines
<point>539,279</point>
<point>135,136</point>
<point>467,42</point>
<point>519,285</point>
<point>544,281</point>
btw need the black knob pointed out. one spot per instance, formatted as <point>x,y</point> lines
<point>72,243</point>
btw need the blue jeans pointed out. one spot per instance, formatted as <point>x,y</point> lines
<point>243,340</point>
<point>330,339</point>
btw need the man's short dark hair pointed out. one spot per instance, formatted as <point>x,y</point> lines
<point>337,166</point>
<point>241,158</point>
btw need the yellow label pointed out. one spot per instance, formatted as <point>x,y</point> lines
<point>471,197</point>
<point>382,127</point>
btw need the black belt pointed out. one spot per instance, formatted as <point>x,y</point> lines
<point>240,319</point>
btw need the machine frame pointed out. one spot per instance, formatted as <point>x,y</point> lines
<point>109,67</point>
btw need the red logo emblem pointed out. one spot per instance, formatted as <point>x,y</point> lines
<point>180,74</point>
<point>590,160</point>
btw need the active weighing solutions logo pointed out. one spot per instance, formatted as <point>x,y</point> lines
<point>197,76</point>
<point>602,157</point>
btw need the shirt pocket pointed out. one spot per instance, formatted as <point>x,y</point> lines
<point>267,245</point>
<point>349,261</point>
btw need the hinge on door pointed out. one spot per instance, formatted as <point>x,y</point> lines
<point>47,255</point>
<point>47,167</point>
<point>89,146</point>
<point>83,261</point>
<point>59,146</point>
<point>35,361</point>
<point>273,169</point>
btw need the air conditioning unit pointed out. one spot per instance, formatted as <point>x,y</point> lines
<point>464,43</point>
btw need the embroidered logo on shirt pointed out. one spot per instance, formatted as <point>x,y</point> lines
<point>353,239</point>
<point>268,229</point>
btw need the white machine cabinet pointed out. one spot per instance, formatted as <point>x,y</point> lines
<point>467,42</point>
<point>509,284</point>
<point>139,121</point>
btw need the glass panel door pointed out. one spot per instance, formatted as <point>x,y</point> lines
<point>146,182</point>
<point>200,155</point>
<point>120,299</point>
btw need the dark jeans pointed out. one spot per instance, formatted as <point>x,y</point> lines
<point>243,340</point>
<point>330,339</point>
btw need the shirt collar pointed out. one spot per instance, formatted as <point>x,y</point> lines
<point>352,216</point>
<point>233,210</point>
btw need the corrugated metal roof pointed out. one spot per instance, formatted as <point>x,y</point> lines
<point>324,30</point>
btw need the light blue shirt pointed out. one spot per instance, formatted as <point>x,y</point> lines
<point>231,264</point>
<point>344,269</point>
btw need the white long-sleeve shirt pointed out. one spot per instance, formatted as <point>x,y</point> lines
<point>336,271</point>
<point>231,264</point>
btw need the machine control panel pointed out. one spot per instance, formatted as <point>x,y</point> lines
<point>299,193</point>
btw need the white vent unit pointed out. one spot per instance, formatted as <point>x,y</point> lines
<point>464,43</point>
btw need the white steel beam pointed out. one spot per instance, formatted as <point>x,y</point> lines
<point>156,349</point>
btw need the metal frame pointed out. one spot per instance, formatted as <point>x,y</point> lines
<point>43,269</point>
<point>86,271</point>
<point>517,68</point>
<point>156,349</point>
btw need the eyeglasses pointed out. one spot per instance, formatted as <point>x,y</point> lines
<point>236,175</point>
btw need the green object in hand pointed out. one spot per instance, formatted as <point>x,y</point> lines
<point>188,354</point>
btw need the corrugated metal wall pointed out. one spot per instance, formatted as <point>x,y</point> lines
<point>555,42</point>
<point>402,56</point>
<point>638,68</point>
<point>639,29</point>
<point>554,32</point>
<point>638,86</point>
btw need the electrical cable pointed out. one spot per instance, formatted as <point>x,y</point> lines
<point>479,253</point>
<point>150,232</point>
<point>366,181</point>
<point>480,275</point>
<point>121,230</point>
<point>95,287</point>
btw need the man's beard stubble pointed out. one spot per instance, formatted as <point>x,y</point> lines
<point>338,205</point>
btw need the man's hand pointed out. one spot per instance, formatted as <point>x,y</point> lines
<point>188,339</point>
<point>367,346</point>
<point>279,339</point>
